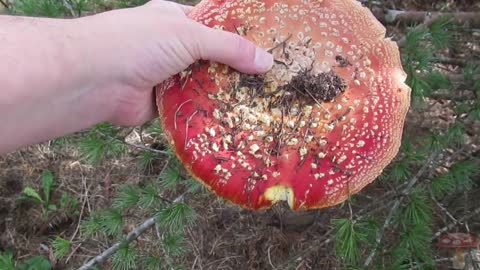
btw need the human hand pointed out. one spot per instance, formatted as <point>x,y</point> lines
<point>132,50</point>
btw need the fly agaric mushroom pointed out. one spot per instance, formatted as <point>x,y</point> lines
<point>458,241</point>
<point>320,126</point>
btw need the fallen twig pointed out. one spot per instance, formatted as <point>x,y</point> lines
<point>425,19</point>
<point>455,61</point>
<point>143,147</point>
<point>4,3</point>
<point>393,16</point>
<point>443,208</point>
<point>397,203</point>
<point>133,235</point>
<point>450,226</point>
<point>69,7</point>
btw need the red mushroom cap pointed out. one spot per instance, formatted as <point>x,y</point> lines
<point>320,126</point>
<point>458,240</point>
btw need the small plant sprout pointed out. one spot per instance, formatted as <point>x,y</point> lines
<point>317,128</point>
<point>7,261</point>
<point>41,197</point>
<point>35,263</point>
<point>61,247</point>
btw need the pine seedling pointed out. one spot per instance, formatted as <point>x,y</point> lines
<point>60,247</point>
<point>92,224</point>
<point>175,217</point>
<point>127,197</point>
<point>440,32</point>
<point>348,239</point>
<point>154,127</point>
<point>146,159</point>
<point>442,185</point>
<point>414,248</point>
<point>414,37</point>
<point>420,86</point>
<point>369,229</point>
<point>112,222</point>
<point>107,221</point>
<point>174,244</point>
<point>420,43</point>
<point>38,8</point>
<point>475,112</point>
<point>149,197</point>
<point>129,3</point>
<point>125,258</point>
<point>462,108</point>
<point>80,7</point>
<point>456,133</point>
<point>101,142</point>
<point>438,81</point>
<point>170,177</point>
<point>411,153</point>
<point>457,179</point>
<point>193,186</point>
<point>417,53</point>
<point>436,142</point>
<point>418,209</point>
<point>152,263</point>
<point>69,204</point>
<point>399,171</point>
<point>415,219</point>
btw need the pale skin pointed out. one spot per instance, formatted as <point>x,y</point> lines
<point>60,76</point>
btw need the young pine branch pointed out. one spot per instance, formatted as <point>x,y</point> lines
<point>384,200</point>
<point>132,236</point>
<point>396,205</point>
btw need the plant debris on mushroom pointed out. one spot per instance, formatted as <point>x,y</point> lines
<point>320,126</point>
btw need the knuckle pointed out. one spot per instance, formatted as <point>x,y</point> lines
<point>239,47</point>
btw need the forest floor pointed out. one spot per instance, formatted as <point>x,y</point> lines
<point>223,236</point>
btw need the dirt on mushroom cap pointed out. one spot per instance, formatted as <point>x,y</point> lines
<point>320,126</point>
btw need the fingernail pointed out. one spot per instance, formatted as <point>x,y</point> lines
<point>263,60</point>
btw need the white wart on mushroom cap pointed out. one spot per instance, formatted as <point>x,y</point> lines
<point>320,126</point>
<point>458,240</point>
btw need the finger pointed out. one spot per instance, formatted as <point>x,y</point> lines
<point>185,8</point>
<point>139,112</point>
<point>170,5</point>
<point>229,49</point>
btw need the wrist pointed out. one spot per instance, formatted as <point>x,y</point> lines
<point>51,87</point>
<point>109,60</point>
<point>91,63</point>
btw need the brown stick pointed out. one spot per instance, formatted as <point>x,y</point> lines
<point>393,16</point>
<point>455,61</point>
<point>475,212</point>
<point>461,77</point>
<point>5,4</point>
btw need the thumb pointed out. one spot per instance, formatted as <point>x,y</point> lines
<point>230,49</point>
